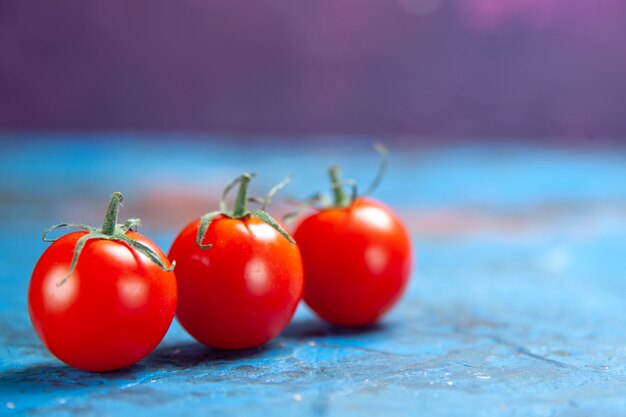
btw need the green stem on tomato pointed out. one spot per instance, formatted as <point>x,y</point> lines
<point>110,231</point>
<point>110,219</point>
<point>240,210</point>
<point>241,202</point>
<point>340,198</point>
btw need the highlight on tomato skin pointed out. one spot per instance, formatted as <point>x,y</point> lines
<point>356,254</point>
<point>239,275</point>
<point>102,299</point>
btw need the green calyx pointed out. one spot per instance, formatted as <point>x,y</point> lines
<point>110,230</point>
<point>241,210</point>
<point>340,198</point>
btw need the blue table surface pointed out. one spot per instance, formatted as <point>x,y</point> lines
<point>516,305</point>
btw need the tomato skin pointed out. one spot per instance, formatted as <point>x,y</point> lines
<point>241,292</point>
<point>111,312</point>
<point>357,262</point>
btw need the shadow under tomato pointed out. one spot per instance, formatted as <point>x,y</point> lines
<point>54,375</point>
<point>57,376</point>
<point>316,328</point>
<point>191,354</point>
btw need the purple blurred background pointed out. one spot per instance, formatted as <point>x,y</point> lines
<point>546,70</point>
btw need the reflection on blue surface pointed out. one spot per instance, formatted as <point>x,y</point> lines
<point>498,320</point>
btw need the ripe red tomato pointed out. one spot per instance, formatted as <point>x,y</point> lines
<point>357,261</point>
<point>356,255</point>
<point>243,290</point>
<point>113,308</point>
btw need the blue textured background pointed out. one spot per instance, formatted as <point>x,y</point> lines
<point>515,308</point>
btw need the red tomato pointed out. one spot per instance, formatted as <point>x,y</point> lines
<point>357,261</point>
<point>112,310</point>
<point>242,291</point>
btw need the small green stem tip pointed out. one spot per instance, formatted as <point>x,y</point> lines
<point>110,219</point>
<point>241,202</point>
<point>340,198</point>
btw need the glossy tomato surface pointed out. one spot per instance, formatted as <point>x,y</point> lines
<point>111,312</point>
<point>357,261</point>
<point>242,291</point>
